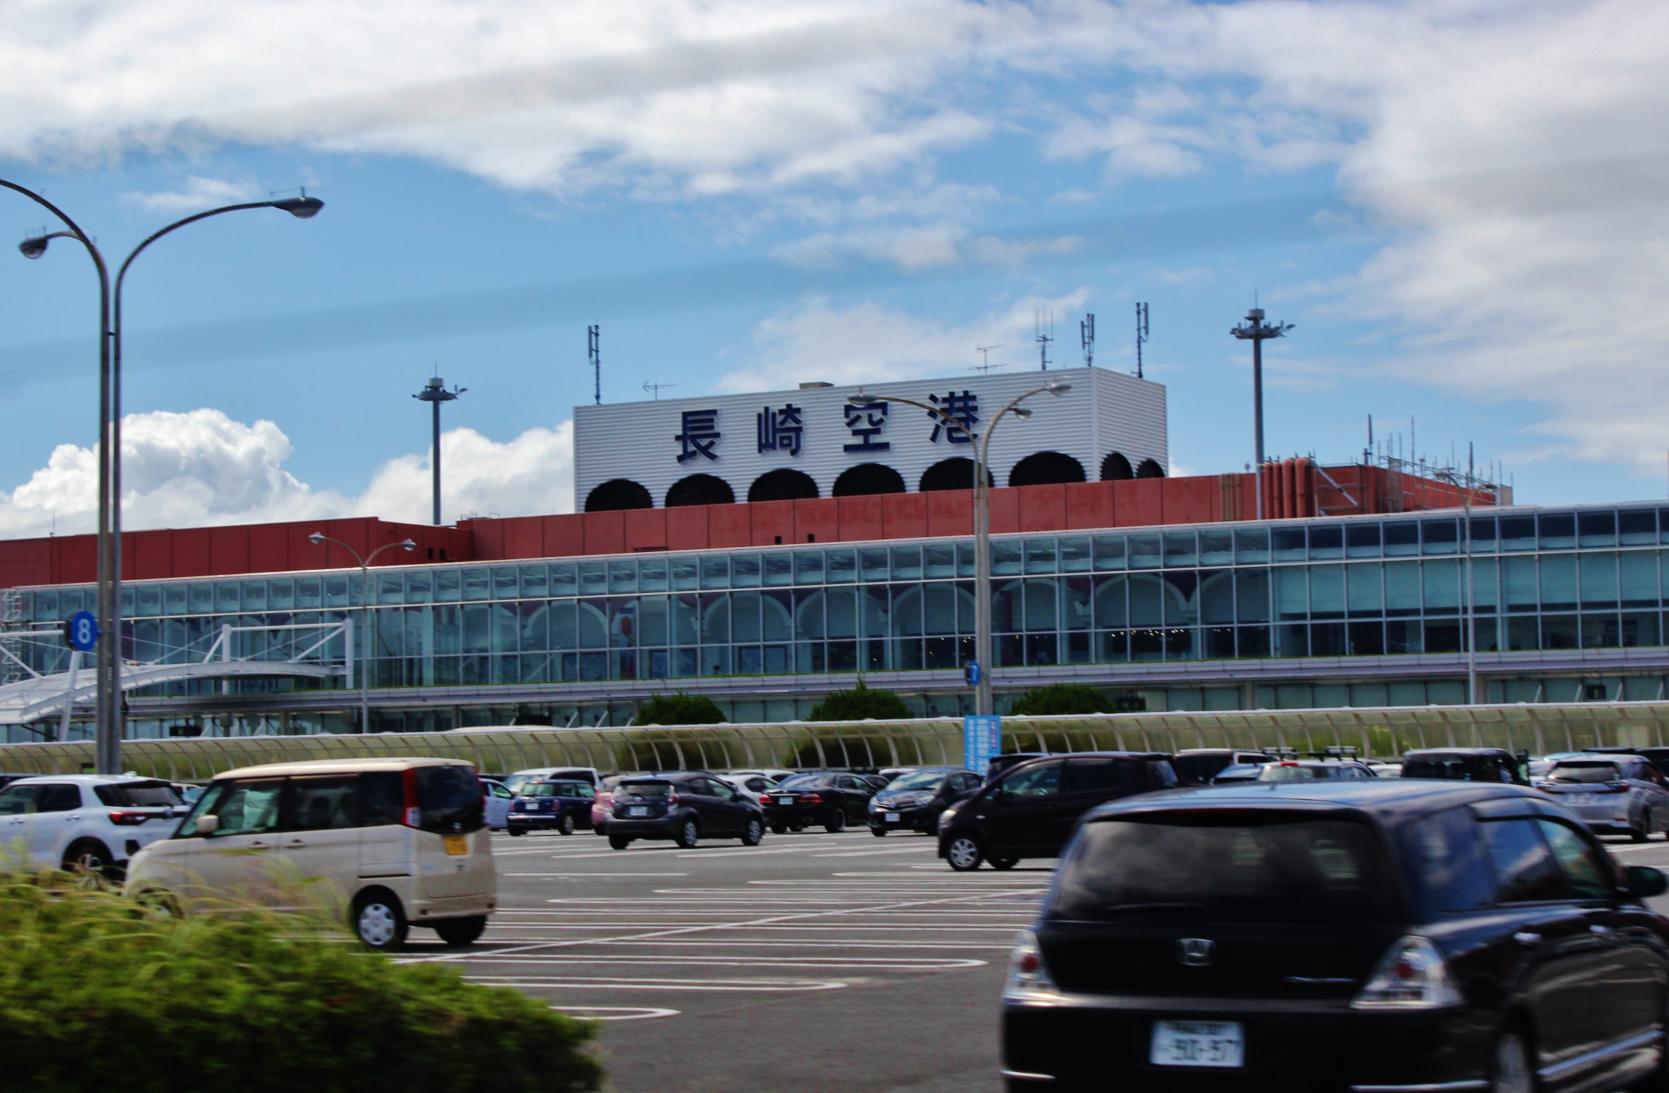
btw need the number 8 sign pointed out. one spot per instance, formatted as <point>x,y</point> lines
<point>81,631</point>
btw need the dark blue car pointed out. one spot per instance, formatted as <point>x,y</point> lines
<point>563,805</point>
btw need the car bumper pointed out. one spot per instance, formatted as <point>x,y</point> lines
<point>652,827</point>
<point>797,814</point>
<point>539,821</point>
<point>920,818</point>
<point>1093,1042</point>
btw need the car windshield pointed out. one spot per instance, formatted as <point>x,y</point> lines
<point>1584,772</point>
<point>1278,772</point>
<point>803,781</point>
<point>1225,867</point>
<point>917,779</point>
<point>138,795</point>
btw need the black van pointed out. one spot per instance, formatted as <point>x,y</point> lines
<point>1029,810</point>
<point>1468,765</point>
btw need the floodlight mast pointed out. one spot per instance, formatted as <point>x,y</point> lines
<point>1256,331</point>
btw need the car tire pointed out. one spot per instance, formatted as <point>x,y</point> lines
<point>619,842</point>
<point>878,832</point>
<point>1004,864</point>
<point>461,931</point>
<point>754,834</point>
<point>779,829</point>
<point>516,831</point>
<point>1643,831</point>
<point>379,922</point>
<point>159,903</point>
<point>567,824</point>
<point>91,863</point>
<point>963,853</point>
<point>688,834</point>
<point>836,822</point>
<point>1510,1067</point>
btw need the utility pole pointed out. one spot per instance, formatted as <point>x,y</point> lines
<point>435,394</point>
<point>1141,336</point>
<point>594,353</point>
<point>1086,335</point>
<point>1256,331</point>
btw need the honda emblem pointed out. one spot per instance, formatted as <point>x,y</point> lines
<point>1196,952</point>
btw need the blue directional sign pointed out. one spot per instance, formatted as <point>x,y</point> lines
<point>982,738</point>
<point>81,631</point>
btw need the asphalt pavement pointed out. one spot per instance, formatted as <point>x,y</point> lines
<point>813,961</point>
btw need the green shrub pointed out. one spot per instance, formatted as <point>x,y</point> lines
<point>680,709</point>
<point>858,703</point>
<point>97,994</point>
<point>1062,700</point>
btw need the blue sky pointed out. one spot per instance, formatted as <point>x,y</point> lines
<point>1456,203</point>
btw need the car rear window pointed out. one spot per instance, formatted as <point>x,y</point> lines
<point>1226,867</point>
<point>1454,770</point>
<point>449,799</point>
<point>138,795</point>
<point>1199,768</point>
<point>1584,772</point>
<point>643,789</point>
<point>804,781</point>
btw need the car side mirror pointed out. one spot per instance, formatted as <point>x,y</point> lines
<point>208,825</point>
<point>1642,881</point>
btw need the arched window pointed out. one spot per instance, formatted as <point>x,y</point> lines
<point>1149,468</point>
<point>955,473</point>
<point>866,479</point>
<point>783,484</point>
<point>618,493</point>
<point>1116,468</point>
<point>1041,468</point>
<point>699,489</point>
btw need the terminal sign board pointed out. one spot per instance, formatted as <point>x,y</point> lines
<point>982,738</point>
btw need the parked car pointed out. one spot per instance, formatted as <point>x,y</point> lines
<point>1339,935</point>
<point>1619,794</point>
<point>1468,765</point>
<point>1238,773</point>
<point>384,844</point>
<point>516,781</point>
<point>1541,764</point>
<point>562,805</point>
<point>828,798</point>
<point>914,801</point>
<point>495,798</point>
<point>602,806</point>
<point>90,823</point>
<point>772,774</point>
<point>1309,770</point>
<point>890,774</point>
<point>683,806</point>
<point>1657,754</point>
<point>999,763</point>
<point>1031,809</point>
<point>1200,766</point>
<point>751,786</point>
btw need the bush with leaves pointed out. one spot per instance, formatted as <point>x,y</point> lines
<point>859,703</point>
<point>96,993</point>
<point>1062,700</point>
<point>680,709</point>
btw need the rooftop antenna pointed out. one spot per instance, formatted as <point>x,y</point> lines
<point>655,388</point>
<point>1043,339</point>
<point>1256,331</point>
<point>1086,335</point>
<point>1141,336</point>
<point>1367,453</point>
<point>594,352</point>
<point>434,394</point>
<point>985,364</point>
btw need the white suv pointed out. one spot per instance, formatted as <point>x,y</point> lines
<point>90,822</point>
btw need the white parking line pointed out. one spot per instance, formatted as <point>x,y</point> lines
<point>593,874</point>
<point>844,963</point>
<point>616,1013</point>
<point>616,983</point>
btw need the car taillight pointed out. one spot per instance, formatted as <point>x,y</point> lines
<point>811,799</point>
<point>1028,977</point>
<point>411,815</point>
<point>671,799</point>
<point>129,819</point>
<point>518,805</point>
<point>1412,975</point>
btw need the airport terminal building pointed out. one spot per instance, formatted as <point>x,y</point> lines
<point>766,549</point>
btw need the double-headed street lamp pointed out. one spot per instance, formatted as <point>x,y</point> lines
<point>981,444</point>
<point>108,718</point>
<point>319,538</point>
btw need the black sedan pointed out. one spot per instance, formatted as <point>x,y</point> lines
<point>913,801</point>
<point>1339,935</point>
<point>830,799</point>
<point>684,806</point>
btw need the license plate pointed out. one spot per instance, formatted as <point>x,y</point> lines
<point>1198,1043</point>
<point>892,817</point>
<point>787,800</point>
<point>456,844</point>
<point>638,810</point>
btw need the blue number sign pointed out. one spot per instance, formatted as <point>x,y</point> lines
<point>982,738</point>
<point>81,631</point>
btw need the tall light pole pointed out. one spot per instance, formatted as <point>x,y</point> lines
<point>108,729</point>
<point>1256,331</point>
<point>435,393</point>
<point>981,444</point>
<point>319,538</point>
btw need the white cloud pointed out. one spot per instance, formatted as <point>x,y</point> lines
<point>203,468</point>
<point>198,193</point>
<point>914,249</point>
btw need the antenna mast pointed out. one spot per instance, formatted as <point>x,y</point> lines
<point>594,352</point>
<point>1086,335</point>
<point>656,388</point>
<point>1256,331</point>
<point>1043,339</point>
<point>1141,335</point>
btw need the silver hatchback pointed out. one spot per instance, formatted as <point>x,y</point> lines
<point>1617,794</point>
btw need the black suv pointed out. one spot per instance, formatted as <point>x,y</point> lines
<point>914,800</point>
<point>1198,766</point>
<point>681,806</point>
<point>1340,936</point>
<point>1029,810</point>
<point>1467,765</point>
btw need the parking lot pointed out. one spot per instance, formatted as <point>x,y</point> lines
<point>814,960</point>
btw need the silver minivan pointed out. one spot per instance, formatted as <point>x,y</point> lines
<point>384,844</point>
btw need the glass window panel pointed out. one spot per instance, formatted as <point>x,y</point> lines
<point>1442,586</point>
<point>1077,595</point>
<point>938,608</point>
<point>1522,633</point>
<point>1636,527</point>
<point>715,618</point>
<point>477,632</point>
<point>310,591</point>
<point>906,609</point>
<point>779,569</point>
<point>1327,639</point>
<point>1556,531</point>
<point>1597,573</point>
<point>1365,589</point>
<point>477,584</point>
<point>842,610</point>
<point>876,611</point>
<point>254,597</point>
<point>1367,639</point>
<point>1293,640</point>
<point>200,597</point>
<point>1520,586</point>
<point>1485,596</point>
<point>808,615</point>
<point>1560,632</point>
<point>1251,591</point>
<point>906,563</point>
<point>506,628</point>
<point>1641,628</point>
<point>281,594</point>
<point>535,582</point>
<point>336,593</point>
<point>1182,548</point>
<point>389,588</point>
<point>1403,636</point>
<point>1327,591</point>
<point>1111,609</point>
<point>1518,533</point>
<point>1442,635</point>
<point>1401,538</point>
<point>744,617</point>
<point>652,575</point>
<point>744,571</point>
<point>686,574</point>
<point>1402,588</point>
<point>1144,551</point>
<point>1146,600</point>
<point>1217,596</point>
<point>1040,606</point>
<point>564,579</point>
<point>1074,554</point>
<point>686,621</point>
<point>808,567</point>
<point>1109,551</point>
<point>715,571</point>
<point>940,559</point>
<point>593,623</point>
<point>872,563</point>
<point>1292,596</point>
<point>1558,583</point>
<point>507,583</point>
<point>654,621</point>
<point>1440,536</point>
<point>1599,631</point>
<point>1005,558</point>
<point>1597,529</point>
<point>1639,578</point>
<point>964,559</point>
<point>150,599</point>
<point>1216,547</point>
<point>1251,545</point>
<point>1290,545</point>
<point>1326,542</point>
<point>1483,534</point>
<point>1040,556</point>
<point>622,575</point>
<point>842,565</point>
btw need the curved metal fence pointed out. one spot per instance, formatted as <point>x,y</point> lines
<point>1385,732</point>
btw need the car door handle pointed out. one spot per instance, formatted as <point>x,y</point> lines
<point>296,842</point>
<point>1527,937</point>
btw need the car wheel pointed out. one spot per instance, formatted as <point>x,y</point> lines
<point>836,822</point>
<point>688,834</point>
<point>754,834</point>
<point>461,931</point>
<point>1643,830</point>
<point>878,832</point>
<point>964,853</point>
<point>1511,1070</point>
<point>89,861</point>
<point>159,903</point>
<point>379,922</point>
<point>517,831</point>
<point>1004,863</point>
<point>567,826</point>
<point>779,829</point>
<point>619,842</point>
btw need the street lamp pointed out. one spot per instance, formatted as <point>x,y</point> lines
<point>108,716</point>
<point>981,444</point>
<point>319,538</point>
